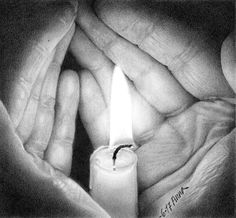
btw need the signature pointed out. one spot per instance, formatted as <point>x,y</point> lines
<point>172,202</point>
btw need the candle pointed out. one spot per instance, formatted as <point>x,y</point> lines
<point>113,168</point>
<point>114,189</point>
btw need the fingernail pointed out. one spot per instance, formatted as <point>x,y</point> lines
<point>70,13</point>
<point>75,5</point>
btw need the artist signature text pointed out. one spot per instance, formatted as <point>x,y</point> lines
<point>169,206</point>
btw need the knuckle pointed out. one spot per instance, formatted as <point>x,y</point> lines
<point>24,81</point>
<point>144,35</point>
<point>65,141</point>
<point>54,66</point>
<point>36,147</point>
<point>179,61</point>
<point>35,97</point>
<point>111,46</point>
<point>24,88</point>
<point>65,131</point>
<point>48,102</point>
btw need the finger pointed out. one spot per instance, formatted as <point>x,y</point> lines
<point>56,58</point>
<point>91,58</point>
<point>41,131</point>
<point>187,53</point>
<point>45,109</point>
<point>93,110</point>
<point>101,67</point>
<point>59,150</point>
<point>95,114</point>
<point>47,193</point>
<point>27,122</point>
<point>150,78</point>
<point>228,60</point>
<point>44,32</point>
<point>145,118</point>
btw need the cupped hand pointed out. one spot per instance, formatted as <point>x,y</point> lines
<point>183,112</point>
<point>38,123</point>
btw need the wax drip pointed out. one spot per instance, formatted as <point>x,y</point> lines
<point>115,153</point>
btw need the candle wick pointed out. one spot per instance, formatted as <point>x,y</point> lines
<point>114,166</point>
<point>116,152</point>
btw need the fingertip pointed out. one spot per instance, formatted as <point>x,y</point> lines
<point>63,45</point>
<point>121,17</point>
<point>60,157</point>
<point>65,10</point>
<point>67,14</point>
<point>69,84</point>
<point>72,76</point>
<point>74,4</point>
<point>60,18</point>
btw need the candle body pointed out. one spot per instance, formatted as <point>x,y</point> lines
<point>115,190</point>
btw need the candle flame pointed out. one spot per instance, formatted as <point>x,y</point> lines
<point>120,110</point>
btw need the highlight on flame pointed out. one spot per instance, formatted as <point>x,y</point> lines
<point>120,110</point>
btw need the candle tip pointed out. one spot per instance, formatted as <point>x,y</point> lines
<point>115,153</point>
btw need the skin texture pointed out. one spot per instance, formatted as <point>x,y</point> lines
<point>183,114</point>
<point>37,116</point>
<point>183,110</point>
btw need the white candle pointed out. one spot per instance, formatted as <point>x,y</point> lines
<point>114,189</point>
<point>114,184</point>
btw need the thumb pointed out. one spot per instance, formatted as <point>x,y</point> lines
<point>35,191</point>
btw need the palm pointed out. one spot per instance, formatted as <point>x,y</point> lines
<point>170,149</point>
<point>173,129</point>
<point>171,157</point>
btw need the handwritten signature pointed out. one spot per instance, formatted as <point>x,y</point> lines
<point>172,203</point>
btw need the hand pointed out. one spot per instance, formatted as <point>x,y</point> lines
<point>37,134</point>
<point>182,121</point>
